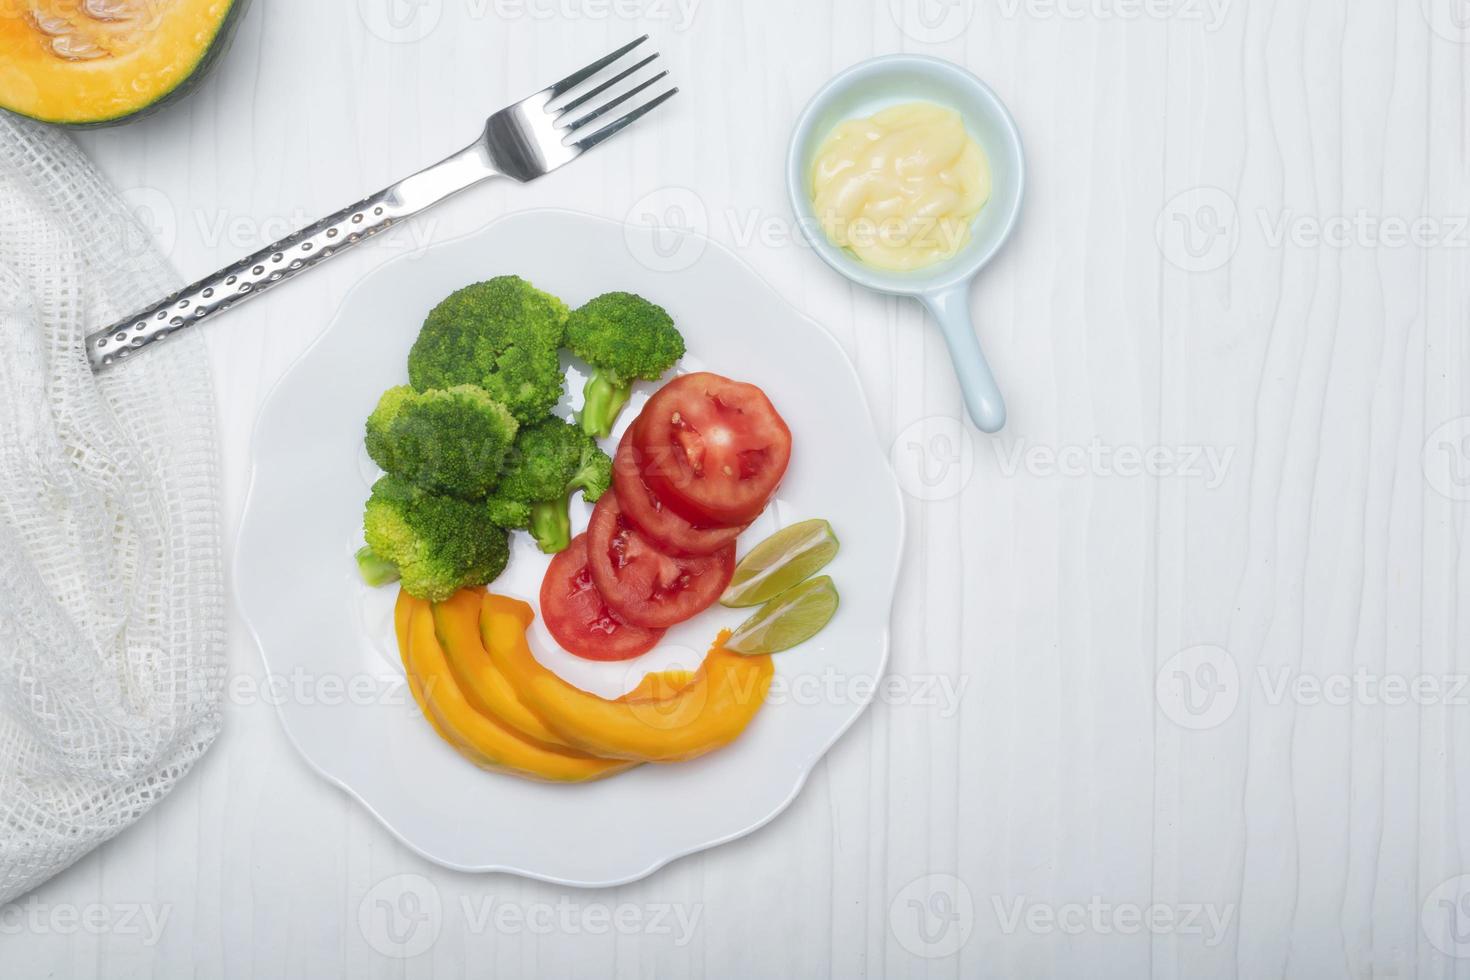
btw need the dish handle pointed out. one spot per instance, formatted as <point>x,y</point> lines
<point>951,308</point>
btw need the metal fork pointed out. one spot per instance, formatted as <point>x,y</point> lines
<point>522,141</point>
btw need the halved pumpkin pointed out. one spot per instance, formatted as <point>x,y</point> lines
<point>100,62</point>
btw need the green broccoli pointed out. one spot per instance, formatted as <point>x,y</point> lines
<point>502,335</point>
<point>550,461</point>
<point>437,544</point>
<point>452,441</point>
<point>625,338</point>
<point>379,446</point>
<point>375,571</point>
<point>509,514</point>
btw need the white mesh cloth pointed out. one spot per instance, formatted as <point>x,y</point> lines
<point>111,603</point>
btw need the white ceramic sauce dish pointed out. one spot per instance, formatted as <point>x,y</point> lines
<point>944,287</point>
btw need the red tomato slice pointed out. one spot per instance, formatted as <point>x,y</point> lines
<point>640,583</point>
<point>713,450</point>
<point>579,619</point>
<point>646,512</point>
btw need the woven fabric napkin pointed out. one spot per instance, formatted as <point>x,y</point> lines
<point>111,596</point>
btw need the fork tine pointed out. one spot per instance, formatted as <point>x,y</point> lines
<point>581,75</point>
<point>605,108</point>
<point>623,122</point>
<point>582,99</point>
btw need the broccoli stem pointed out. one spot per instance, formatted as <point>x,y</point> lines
<point>551,524</point>
<point>602,399</point>
<point>375,571</point>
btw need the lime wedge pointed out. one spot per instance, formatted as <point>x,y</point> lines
<point>790,556</point>
<point>791,618</point>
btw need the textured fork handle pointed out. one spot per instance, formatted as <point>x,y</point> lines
<point>288,257</point>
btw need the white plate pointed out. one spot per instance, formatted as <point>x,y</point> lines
<point>328,640</point>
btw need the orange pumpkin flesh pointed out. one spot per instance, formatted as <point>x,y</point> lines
<point>96,62</point>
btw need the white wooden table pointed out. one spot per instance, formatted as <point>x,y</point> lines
<point>1180,656</point>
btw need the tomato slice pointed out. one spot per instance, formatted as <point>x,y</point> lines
<point>648,514</point>
<point>712,449</point>
<point>579,619</point>
<point>642,584</point>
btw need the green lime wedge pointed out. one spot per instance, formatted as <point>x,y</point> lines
<point>790,556</point>
<point>793,617</point>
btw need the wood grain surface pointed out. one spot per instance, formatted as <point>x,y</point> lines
<point>1179,668</point>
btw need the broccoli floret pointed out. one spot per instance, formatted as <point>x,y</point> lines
<point>625,338</point>
<point>510,514</point>
<point>502,335</point>
<point>550,461</point>
<point>379,446</point>
<point>437,544</point>
<point>452,441</point>
<point>375,571</point>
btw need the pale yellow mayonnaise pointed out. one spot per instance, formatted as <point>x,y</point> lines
<point>900,188</point>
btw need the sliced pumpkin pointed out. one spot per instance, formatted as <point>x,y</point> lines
<point>660,686</point>
<point>98,62</point>
<point>402,614</point>
<point>479,738</point>
<point>707,713</point>
<point>457,625</point>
